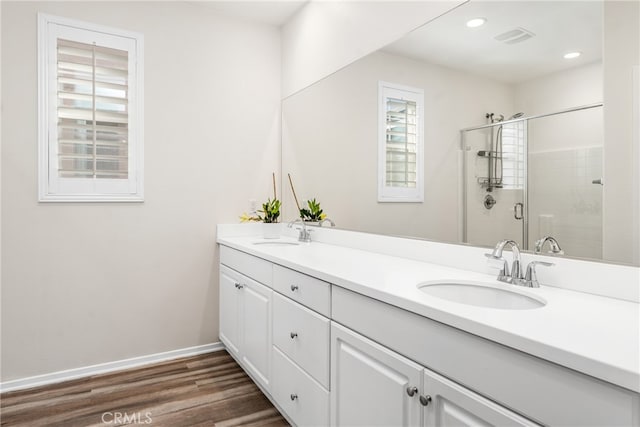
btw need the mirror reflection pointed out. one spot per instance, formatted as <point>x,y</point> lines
<point>519,127</point>
<point>530,178</point>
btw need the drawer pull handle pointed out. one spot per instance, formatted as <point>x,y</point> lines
<point>293,335</point>
<point>294,396</point>
<point>425,400</point>
<point>239,286</point>
<point>411,391</point>
<point>294,288</point>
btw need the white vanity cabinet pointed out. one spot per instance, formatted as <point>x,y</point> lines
<point>329,356</point>
<point>279,332</point>
<point>245,322</point>
<point>482,372</point>
<point>301,343</point>
<point>374,386</point>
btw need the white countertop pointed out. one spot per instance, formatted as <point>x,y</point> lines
<point>596,335</point>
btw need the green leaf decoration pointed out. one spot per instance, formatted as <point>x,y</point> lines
<point>270,211</point>
<point>312,212</point>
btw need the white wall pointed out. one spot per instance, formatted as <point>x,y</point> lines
<point>89,283</point>
<point>0,185</point>
<point>325,36</point>
<point>621,54</point>
<point>330,143</point>
<point>561,90</point>
<point>636,169</point>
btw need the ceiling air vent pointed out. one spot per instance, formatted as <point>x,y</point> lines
<point>517,35</point>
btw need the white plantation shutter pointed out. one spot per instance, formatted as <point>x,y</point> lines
<point>91,90</point>
<point>92,111</point>
<point>400,143</point>
<point>513,149</point>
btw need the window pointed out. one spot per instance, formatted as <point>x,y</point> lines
<point>513,149</point>
<point>90,112</point>
<point>400,143</point>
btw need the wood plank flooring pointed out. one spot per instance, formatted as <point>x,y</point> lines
<point>205,390</point>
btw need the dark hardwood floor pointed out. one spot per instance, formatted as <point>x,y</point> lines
<point>205,390</point>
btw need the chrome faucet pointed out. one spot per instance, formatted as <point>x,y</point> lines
<point>530,278</point>
<point>504,275</point>
<point>331,223</point>
<point>553,245</point>
<point>304,235</point>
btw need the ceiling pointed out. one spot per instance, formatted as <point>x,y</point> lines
<point>558,27</point>
<point>272,12</point>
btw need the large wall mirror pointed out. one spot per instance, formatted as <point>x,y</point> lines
<point>530,119</point>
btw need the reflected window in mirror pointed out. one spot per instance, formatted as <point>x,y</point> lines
<point>400,143</point>
<point>513,143</point>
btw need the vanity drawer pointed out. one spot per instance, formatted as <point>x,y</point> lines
<point>304,400</point>
<point>253,267</point>
<point>307,290</point>
<point>303,335</point>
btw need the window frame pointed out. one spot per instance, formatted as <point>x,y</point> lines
<point>388,194</point>
<point>51,187</point>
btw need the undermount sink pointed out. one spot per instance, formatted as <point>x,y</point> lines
<point>275,243</point>
<point>482,295</point>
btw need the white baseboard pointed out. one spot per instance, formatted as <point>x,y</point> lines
<point>103,368</point>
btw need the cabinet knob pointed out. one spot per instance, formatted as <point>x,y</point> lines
<point>293,335</point>
<point>294,288</point>
<point>239,286</point>
<point>294,397</point>
<point>412,390</point>
<point>425,400</point>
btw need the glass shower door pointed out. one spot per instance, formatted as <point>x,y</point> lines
<point>566,181</point>
<point>494,184</point>
<point>535,177</point>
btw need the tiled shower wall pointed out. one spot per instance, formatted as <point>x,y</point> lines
<point>563,201</point>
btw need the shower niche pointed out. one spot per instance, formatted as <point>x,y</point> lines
<point>525,178</point>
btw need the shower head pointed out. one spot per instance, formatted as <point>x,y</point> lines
<point>516,116</point>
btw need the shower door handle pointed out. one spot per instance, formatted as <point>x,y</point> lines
<point>518,210</point>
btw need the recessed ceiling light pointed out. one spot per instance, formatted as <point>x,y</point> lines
<point>572,55</point>
<point>476,22</point>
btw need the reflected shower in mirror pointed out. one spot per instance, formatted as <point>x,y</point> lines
<point>543,176</point>
<point>498,86</point>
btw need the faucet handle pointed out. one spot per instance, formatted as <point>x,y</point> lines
<point>498,263</point>
<point>531,277</point>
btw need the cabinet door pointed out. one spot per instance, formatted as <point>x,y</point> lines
<point>230,310</point>
<point>256,329</point>
<point>371,385</point>
<point>449,404</point>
